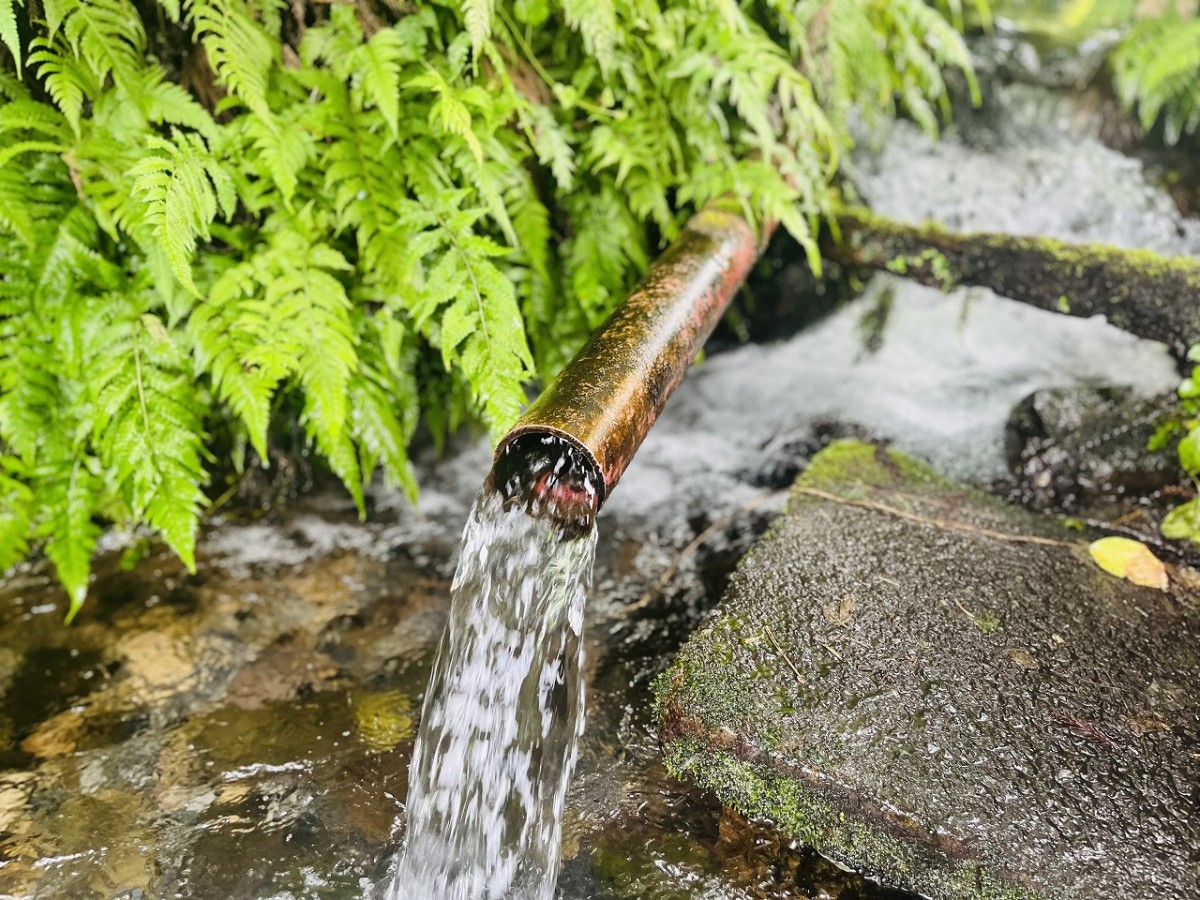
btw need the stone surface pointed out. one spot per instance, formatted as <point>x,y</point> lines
<point>903,679</point>
<point>1070,449</point>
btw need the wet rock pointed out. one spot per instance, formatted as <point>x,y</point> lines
<point>947,694</point>
<point>284,669</point>
<point>1069,448</point>
<point>726,858</point>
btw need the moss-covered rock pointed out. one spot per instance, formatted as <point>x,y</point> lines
<point>948,694</point>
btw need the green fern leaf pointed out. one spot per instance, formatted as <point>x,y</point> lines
<point>596,22</point>
<point>550,142</point>
<point>378,63</point>
<point>147,423</point>
<point>166,103</point>
<point>18,116</point>
<point>69,81</point>
<point>106,34</point>
<point>8,33</point>
<point>477,14</point>
<point>1157,67</point>
<point>284,148</point>
<point>343,459</point>
<point>450,113</point>
<point>181,184</point>
<point>605,254</point>
<point>239,49</point>
<point>310,294</point>
<point>16,206</point>
<point>384,401</point>
<point>11,87</point>
<point>480,327</point>
<point>70,495</point>
<point>222,346</point>
<point>281,314</point>
<point>16,513</point>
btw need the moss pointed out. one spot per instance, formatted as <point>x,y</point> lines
<point>934,260</point>
<point>844,466</point>
<point>865,227</point>
<point>1149,295</point>
<point>757,791</point>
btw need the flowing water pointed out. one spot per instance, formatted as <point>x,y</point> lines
<point>504,711</point>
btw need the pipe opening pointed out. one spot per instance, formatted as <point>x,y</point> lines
<point>547,475</point>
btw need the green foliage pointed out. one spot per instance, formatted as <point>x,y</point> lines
<point>1157,69</point>
<point>1156,65</point>
<point>1184,520</point>
<point>226,219</point>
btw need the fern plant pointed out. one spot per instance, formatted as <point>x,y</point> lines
<point>1156,63</point>
<point>219,218</point>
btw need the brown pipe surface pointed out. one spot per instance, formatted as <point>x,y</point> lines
<point>604,402</point>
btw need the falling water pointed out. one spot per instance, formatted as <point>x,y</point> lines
<point>504,711</point>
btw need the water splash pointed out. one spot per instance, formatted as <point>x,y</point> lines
<point>504,712</point>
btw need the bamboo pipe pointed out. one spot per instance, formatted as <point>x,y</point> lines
<point>572,445</point>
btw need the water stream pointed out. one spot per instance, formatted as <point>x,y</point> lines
<point>504,711</point>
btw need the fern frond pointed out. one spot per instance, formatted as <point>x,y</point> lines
<point>16,206</point>
<point>1157,68</point>
<point>373,67</point>
<point>361,169</point>
<point>166,103</point>
<point>283,148</point>
<point>222,347</point>
<point>281,314</point>
<point>239,49</point>
<point>605,254</point>
<point>551,144</point>
<point>596,22</point>
<point>105,34</point>
<point>171,8</point>
<point>312,295</point>
<point>477,15</point>
<point>69,493</point>
<point>181,184</point>
<point>16,512</point>
<point>147,428</point>
<point>384,401</point>
<point>19,116</point>
<point>449,113</point>
<point>11,87</point>
<point>378,63</point>
<point>9,35</point>
<point>69,81</point>
<point>478,322</point>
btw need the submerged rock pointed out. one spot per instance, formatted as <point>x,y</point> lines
<point>1069,448</point>
<point>947,694</point>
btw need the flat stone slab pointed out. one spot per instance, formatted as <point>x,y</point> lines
<point>947,694</point>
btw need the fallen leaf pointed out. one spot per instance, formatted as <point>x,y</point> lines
<point>1131,560</point>
<point>1022,658</point>
<point>839,613</point>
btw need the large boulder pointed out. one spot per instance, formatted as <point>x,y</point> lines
<point>947,694</point>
